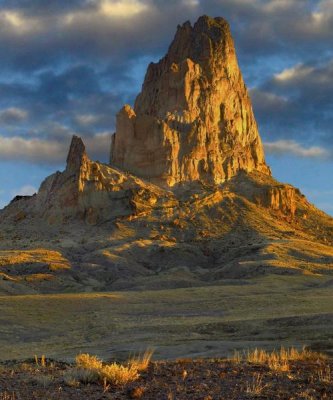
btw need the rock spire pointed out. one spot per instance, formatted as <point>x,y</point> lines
<point>193,120</point>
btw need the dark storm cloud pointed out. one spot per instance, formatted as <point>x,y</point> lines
<point>57,89</point>
<point>53,108</point>
<point>297,104</point>
<point>36,33</point>
<point>61,96</point>
<point>42,7</point>
<point>94,33</point>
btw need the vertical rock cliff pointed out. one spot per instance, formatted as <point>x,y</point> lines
<point>193,119</point>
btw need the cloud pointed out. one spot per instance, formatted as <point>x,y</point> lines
<point>309,75</point>
<point>16,23</point>
<point>297,103</point>
<point>77,100</point>
<point>191,3</point>
<point>25,190</point>
<point>98,146</point>
<point>298,72</point>
<point>105,28</point>
<point>268,101</point>
<point>41,7</point>
<point>121,8</point>
<point>46,151</point>
<point>86,119</point>
<point>104,11</point>
<point>281,147</point>
<point>12,115</point>
<point>32,150</point>
<point>118,32</point>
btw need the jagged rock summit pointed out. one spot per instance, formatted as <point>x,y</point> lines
<point>193,120</point>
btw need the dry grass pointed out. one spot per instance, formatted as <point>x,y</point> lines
<point>261,356</point>
<point>117,374</point>
<point>141,362</point>
<point>237,357</point>
<point>325,374</point>
<point>26,367</point>
<point>88,362</point>
<point>87,369</point>
<point>37,277</point>
<point>40,362</point>
<point>74,376</point>
<point>71,378</point>
<point>156,313</point>
<point>305,395</point>
<point>24,265</point>
<point>43,380</point>
<point>278,360</point>
<point>7,396</point>
<point>91,369</point>
<point>256,386</point>
<point>279,365</point>
<point>54,259</point>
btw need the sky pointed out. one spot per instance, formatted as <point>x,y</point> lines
<point>68,66</point>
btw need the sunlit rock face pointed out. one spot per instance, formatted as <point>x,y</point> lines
<point>193,119</point>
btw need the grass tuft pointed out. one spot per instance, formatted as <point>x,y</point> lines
<point>325,374</point>
<point>72,377</point>
<point>278,360</point>
<point>256,386</point>
<point>87,361</point>
<point>7,396</point>
<point>91,369</point>
<point>40,362</point>
<point>141,362</point>
<point>117,374</point>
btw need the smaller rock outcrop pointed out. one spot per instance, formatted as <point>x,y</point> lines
<point>98,192</point>
<point>77,156</point>
<point>265,191</point>
<point>283,198</point>
<point>89,191</point>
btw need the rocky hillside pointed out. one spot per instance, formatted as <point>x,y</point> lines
<point>186,200</point>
